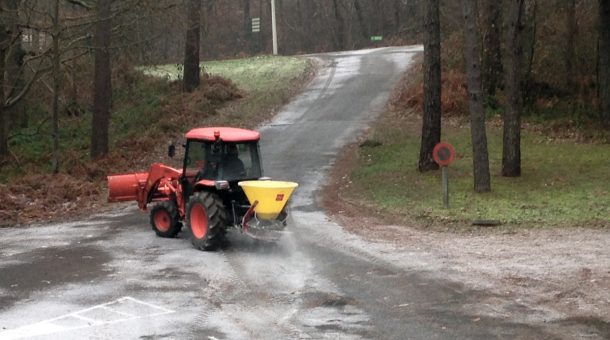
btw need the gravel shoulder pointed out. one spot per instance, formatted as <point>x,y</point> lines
<point>555,275</point>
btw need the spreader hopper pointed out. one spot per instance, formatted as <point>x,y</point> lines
<point>268,197</point>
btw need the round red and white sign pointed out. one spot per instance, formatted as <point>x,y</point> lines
<point>443,154</point>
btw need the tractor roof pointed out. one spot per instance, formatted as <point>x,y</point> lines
<point>227,134</point>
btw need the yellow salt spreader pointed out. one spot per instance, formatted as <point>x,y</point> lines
<point>266,217</point>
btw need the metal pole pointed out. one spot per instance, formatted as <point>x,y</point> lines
<point>273,27</point>
<point>445,174</point>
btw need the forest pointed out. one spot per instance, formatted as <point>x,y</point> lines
<point>69,63</point>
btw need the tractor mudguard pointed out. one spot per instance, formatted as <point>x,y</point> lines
<point>205,183</point>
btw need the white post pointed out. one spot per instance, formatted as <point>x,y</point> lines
<point>273,27</point>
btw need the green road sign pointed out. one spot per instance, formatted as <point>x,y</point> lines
<point>377,38</point>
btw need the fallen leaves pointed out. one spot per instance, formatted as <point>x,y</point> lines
<point>37,197</point>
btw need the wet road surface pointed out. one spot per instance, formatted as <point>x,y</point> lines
<point>110,277</point>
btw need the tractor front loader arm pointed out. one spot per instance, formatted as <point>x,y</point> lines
<point>160,182</point>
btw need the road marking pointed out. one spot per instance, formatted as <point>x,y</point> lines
<point>90,321</point>
<point>119,310</point>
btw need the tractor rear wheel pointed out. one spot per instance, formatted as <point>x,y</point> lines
<point>207,220</point>
<point>165,220</point>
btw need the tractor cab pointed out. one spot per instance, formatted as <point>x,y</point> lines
<point>221,155</point>
<point>216,159</point>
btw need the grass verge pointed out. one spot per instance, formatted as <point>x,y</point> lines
<point>267,80</point>
<point>564,182</point>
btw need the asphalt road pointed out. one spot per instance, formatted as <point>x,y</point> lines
<point>110,277</point>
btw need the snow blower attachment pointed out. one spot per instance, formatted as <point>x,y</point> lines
<point>221,184</point>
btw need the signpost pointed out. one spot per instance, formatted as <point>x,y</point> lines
<point>377,38</point>
<point>444,154</point>
<point>273,27</point>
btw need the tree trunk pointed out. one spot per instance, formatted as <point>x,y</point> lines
<point>477,112</point>
<point>529,97</point>
<point>14,81</point>
<point>397,9</point>
<point>56,57</point>
<point>380,19</point>
<point>303,12</point>
<point>431,128</point>
<point>364,29</point>
<point>102,86</point>
<point>604,61</point>
<point>191,50</point>
<point>492,50</point>
<point>247,26</point>
<point>511,151</point>
<point>4,43</point>
<point>340,27</point>
<point>571,24</point>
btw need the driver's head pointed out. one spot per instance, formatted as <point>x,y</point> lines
<point>232,150</point>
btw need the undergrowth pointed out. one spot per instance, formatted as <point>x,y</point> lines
<point>148,112</point>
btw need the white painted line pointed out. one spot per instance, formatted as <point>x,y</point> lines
<point>149,305</point>
<point>53,325</point>
<point>86,319</point>
<point>117,312</point>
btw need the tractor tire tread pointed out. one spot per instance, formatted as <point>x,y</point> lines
<point>172,208</point>
<point>217,220</point>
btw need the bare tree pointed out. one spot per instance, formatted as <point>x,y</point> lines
<point>530,29</point>
<point>570,41</point>
<point>5,42</point>
<point>364,29</point>
<point>511,151</point>
<point>247,25</point>
<point>191,50</point>
<point>431,128</point>
<point>340,27</point>
<point>102,83</point>
<point>15,81</point>
<point>492,51</point>
<point>56,60</point>
<point>604,61</point>
<point>12,61</point>
<point>11,79</point>
<point>477,112</point>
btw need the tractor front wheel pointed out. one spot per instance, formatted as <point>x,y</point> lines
<point>164,219</point>
<point>207,219</point>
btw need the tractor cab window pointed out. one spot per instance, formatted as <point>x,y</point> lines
<point>195,159</point>
<point>223,161</point>
<point>239,161</point>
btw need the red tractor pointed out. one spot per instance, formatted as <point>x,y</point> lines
<point>221,184</point>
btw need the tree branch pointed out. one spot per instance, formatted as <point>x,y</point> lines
<point>81,3</point>
<point>36,132</point>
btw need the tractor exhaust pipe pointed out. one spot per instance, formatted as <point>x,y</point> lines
<point>123,188</point>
